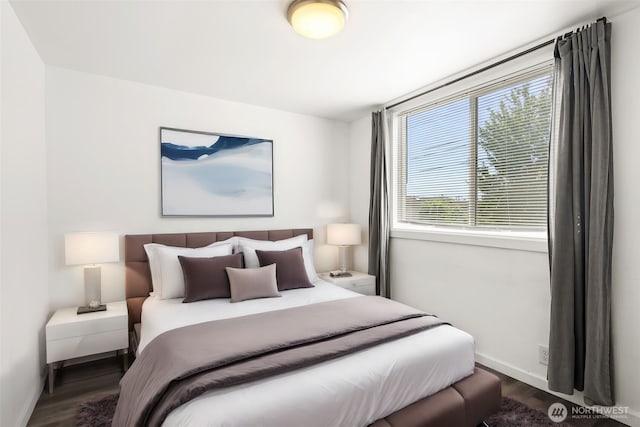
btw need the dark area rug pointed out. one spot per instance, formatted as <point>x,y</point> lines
<point>515,414</point>
<point>98,413</point>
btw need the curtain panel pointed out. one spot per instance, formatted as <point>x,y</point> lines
<point>581,217</point>
<point>379,205</point>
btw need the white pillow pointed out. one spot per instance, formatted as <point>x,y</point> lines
<point>307,255</point>
<point>166,274</point>
<point>249,246</point>
<point>150,249</point>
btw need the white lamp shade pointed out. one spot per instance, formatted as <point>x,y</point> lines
<point>91,248</point>
<point>344,234</point>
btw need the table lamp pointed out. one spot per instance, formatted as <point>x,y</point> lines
<point>343,236</point>
<point>90,249</point>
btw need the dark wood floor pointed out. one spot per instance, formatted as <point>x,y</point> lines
<point>74,385</point>
<point>79,383</point>
<point>541,400</point>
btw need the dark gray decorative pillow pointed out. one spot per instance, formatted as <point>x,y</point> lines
<point>206,278</point>
<point>251,283</point>
<point>290,270</point>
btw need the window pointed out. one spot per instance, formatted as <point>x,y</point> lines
<point>478,159</point>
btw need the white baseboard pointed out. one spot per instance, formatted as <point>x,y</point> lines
<point>632,417</point>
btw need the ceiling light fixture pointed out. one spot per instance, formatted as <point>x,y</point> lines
<point>317,19</point>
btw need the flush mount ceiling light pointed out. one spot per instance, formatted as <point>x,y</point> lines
<point>317,19</point>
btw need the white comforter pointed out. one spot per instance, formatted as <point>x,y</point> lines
<point>351,391</point>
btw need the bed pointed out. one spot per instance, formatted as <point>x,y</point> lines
<point>424,379</point>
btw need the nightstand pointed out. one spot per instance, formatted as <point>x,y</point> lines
<point>358,282</point>
<point>71,335</point>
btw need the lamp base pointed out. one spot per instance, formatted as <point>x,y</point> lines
<point>344,260</point>
<point>87,309</point>
<point>92,286</point>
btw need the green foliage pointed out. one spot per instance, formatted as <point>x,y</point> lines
<point>513,152</point>
<point>512,173</point>
<point>438,210</point>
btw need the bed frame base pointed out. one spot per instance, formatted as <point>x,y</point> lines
<point>464,404</point>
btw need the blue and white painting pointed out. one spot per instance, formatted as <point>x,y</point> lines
<point>208,174</point>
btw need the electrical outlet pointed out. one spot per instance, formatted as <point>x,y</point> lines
<point>543,355</point>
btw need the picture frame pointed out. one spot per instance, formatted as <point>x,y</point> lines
<point>215,175</point>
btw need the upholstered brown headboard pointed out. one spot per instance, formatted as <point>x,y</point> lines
<point>138,275</point>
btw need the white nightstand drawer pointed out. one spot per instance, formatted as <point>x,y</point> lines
<point>363,287</point>
<point>358,282</point>
<point>87,327</point>
<point>69,348</point>
<point>363,281</point>
<point>66,323</point>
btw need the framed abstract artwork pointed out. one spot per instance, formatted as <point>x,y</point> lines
<point>210,174</point>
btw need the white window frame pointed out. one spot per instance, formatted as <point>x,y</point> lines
<point>535,241</point>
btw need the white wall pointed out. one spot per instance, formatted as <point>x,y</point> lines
<point>626,268</point>
<point>104,168</point>
<point>359,172</point>
<point>24,304</point>
<point>501,296</point>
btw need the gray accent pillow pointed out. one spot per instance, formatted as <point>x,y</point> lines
<point>290,270</point>
<point>206,278</point>
<point>251,283</point>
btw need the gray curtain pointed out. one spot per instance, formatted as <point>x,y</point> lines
<point>378,205</point>
<point>581,218</point>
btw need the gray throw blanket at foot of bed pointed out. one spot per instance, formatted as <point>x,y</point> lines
<point>183,363</point>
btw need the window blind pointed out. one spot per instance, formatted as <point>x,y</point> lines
<point>478,158</point>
